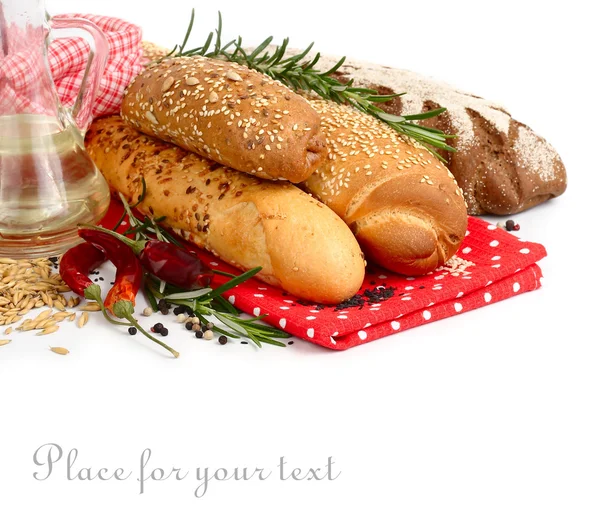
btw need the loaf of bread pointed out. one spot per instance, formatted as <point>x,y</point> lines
<point>235,116</point>
<point>403,205</point>
<point>502,166</point>
<point>301,245</point>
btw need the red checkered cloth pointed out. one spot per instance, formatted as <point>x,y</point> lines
<point>67,58</point>
<point>491,265</point>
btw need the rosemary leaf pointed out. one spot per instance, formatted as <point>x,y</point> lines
<point>299,75</point>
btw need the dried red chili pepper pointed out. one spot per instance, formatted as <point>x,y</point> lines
<point>175,265</point>
<point>77,263</point>
<point>167,262</point>
<point>128,279</point>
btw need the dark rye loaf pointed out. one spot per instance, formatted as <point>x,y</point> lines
<point>502,166</point>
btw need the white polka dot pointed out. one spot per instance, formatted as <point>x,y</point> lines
<point>285,308</point>
<point>342,317</point>
<point>310,332</point>
<point>466,250</point>
<point>336,334</point>
<point>489,283</point>
<point>516,287</point>
<point>406,298</point>
<point>439,277</point>
<point>496,258</point>
<point>367,325</point>
<point>409,278</point>
<point>492,227</point>
<point>426,315</point>
<point>373,309</point>
<point>289,301</point>
<point>382,276</point>
<point>375,305</point>
<point>496,266</point>
<point>256,311</point>
<point>314,311</point>
<point>362,335</point>
<point>524,250</point>
<point>332,340</point>
<point>262,288</point>
<point>467,233</point>
<point>395,325</point>
<point>123,223</point>
<point>311,318</point>
<point>487,297</point>
<point>282,322</point>
<point>458,307</point>
<point>459,294</point>
<point>409,288</point>
<point>517,270</point>
<point>231,299</point>
<point>214,264</point>
<point>494,243</point>
<point>431,304</point>
<point>437,287</point>
<point>467,277</point>
<point>258,295</point>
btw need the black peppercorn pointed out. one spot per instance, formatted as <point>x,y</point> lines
<point>222,339</point>
<point>510,225</point>
<point>164,332</point>
<point>188,326</point>
<point>132,330</point>
<point>158,327</point>
<point>199,334</point>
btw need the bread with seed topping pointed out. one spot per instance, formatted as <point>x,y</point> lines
<point>403,205</point>
<point>301,245</point>
<point>228,113</point>
<point>502,165</point>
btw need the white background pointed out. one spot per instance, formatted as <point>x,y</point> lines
<point>488,418</point>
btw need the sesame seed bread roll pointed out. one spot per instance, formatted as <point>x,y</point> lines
<point>301,245</point>
<point>403,205</point>
<point>226,112</point>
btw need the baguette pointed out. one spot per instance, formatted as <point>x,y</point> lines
<point>404,207</point>
<point>228,113</point>
<point>301,245</point>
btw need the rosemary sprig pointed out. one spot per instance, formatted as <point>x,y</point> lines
<point>303,75</point>
<point>206,302</point>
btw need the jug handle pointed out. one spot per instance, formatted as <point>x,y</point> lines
<point>96,64</point>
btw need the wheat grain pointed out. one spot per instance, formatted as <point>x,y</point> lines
<point>83,318</point>
<point>48,330</point>
<point>4,342</point>
<point>59,350</point>
<point>90,306</point>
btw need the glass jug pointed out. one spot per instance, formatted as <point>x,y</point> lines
<point>48,183</point>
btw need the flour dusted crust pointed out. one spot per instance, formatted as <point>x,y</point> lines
<point>502,166</point>
<point>301,245</point>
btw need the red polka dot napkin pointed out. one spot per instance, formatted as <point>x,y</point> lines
<point>491,265</point>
